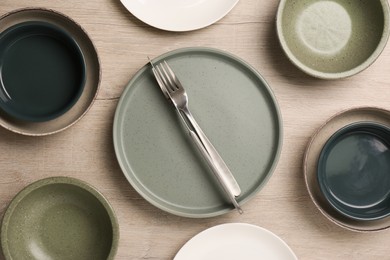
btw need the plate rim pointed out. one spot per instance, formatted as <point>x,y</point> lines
<point>278,119</point>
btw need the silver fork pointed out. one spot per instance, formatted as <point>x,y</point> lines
<point>174,91</point>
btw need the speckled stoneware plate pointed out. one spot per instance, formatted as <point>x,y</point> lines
<point>92,72</point>
<point>312,154</point>
<point>333,39</point>
<point>237,111</point>
<point>235,241</point>
<point>178,15</point>
<point>59,218</point>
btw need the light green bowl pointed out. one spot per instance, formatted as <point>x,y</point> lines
<point>59,218</point>
<point>333,39</point>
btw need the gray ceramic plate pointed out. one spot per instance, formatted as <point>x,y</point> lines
<point>313,150</point>
<point>92,80</point>
<point>239,115</point>
<point>59,218</point>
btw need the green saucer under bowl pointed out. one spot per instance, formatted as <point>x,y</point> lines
<point>333,39</point>
<point>42,71</point>
<point>354,171</point>
<point>59,218</point>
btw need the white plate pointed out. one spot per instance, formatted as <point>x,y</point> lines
<point>179,15</point>
<point>235,241</point>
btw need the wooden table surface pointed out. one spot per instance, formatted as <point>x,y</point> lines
<point>283,206</point>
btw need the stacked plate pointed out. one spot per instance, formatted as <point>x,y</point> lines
<point>346,169</point>
<point>50,72</point>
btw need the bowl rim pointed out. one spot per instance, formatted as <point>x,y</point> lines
<point>58,180</point>
<point>337,75</point>
<point>341,132</point>
<point>68,39</point>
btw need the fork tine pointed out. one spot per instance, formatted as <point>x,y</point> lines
<point>160,82</point>
<point>172,75</point>
<point>165,77</point>
<point>168,77</point>
<point>159,79</point>
<point>161,76</point>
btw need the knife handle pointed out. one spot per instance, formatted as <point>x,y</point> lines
<point>215,170</point>
<point>222,170</point>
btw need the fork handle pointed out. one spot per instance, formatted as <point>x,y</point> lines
<point>220,168</point>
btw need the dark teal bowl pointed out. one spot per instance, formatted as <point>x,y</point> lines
<point>42,71</point>
<point>354,171</point>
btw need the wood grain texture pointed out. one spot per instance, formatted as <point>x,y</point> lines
<point>85,151</point>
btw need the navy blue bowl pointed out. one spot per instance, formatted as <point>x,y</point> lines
<point>354,171</point>
<point>42,71</point>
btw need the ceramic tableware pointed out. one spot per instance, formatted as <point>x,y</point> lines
<point>235,241</point>
<point>59,218</point>
<point>354,170</point>
<point>82,101</point>
<point>178,15</point>
<point>42,71</point>
<point>238,113</point>
<point>333,39</point>
<point>176,94</point>
<point>312,155</point>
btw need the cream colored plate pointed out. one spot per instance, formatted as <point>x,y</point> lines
<point>235,241</point>
<point>92,70</point>
<point>313,151</point>
<point>179,15</point>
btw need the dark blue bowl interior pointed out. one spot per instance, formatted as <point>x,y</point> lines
<point>42,71</point>
<point>354,171</point>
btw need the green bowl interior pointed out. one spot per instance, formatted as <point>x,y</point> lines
<point>58,221</point>
<point>354,171</point>
<point>336,36</point>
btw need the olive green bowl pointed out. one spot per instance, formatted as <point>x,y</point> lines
<point>333,39</point>
<point>59,218</point>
